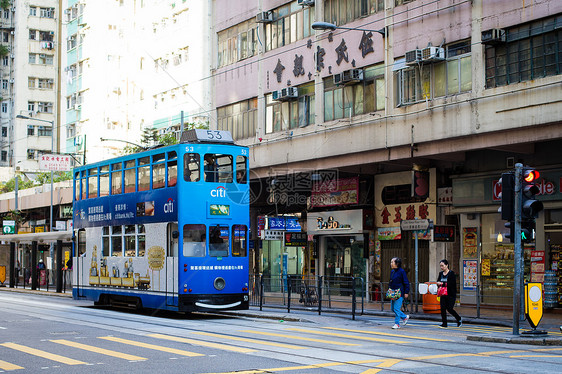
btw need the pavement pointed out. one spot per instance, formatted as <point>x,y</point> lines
<point>500,317</point>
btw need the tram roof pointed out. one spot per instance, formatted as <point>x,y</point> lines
<point>40,237</point>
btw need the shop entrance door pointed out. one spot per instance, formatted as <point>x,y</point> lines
<point>344,257</point>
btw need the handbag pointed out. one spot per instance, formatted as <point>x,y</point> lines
<point>442,291</point>
<point>393,294</point>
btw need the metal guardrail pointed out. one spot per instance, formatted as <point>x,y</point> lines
<point>316,293</point>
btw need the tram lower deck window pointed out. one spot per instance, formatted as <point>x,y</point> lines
<point>194,240</point>
<point>218,241</point>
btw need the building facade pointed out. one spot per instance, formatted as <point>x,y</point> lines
<point>29,84</point>
<point>409,110</point>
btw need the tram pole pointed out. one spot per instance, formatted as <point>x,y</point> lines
<point>518,276</point>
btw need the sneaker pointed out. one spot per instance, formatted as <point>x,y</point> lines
<point>459,323</point>
<point>396,326</point>
<point>406,320</point>
<point>443,326</point>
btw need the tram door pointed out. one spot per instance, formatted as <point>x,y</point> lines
<point>173,237</point>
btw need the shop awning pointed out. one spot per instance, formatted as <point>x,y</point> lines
<point>40,237</point>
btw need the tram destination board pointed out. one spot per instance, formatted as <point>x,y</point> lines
<point>444,233</point>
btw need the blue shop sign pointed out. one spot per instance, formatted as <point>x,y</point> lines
<point>284,223</point>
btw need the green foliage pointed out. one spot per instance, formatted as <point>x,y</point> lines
<point>5,4</point>
<point>167,139</point>
<point>4,50</point>
<point>15,215</point>
<point>42,178</point>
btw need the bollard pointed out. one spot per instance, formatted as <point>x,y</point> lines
<point>289,286</point>
<point>320,294</point>
<point>261,292</point>
<point>353,298</point>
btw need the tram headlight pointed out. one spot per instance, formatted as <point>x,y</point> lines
<point>219,283</point>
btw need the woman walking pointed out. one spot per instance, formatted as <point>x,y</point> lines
<point>447,280</point>
<point>398,280</point>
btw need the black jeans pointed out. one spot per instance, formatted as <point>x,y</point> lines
<point>447,304</point>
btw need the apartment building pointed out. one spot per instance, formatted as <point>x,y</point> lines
<point>390,110</point>
<point>28,75</point>
<point>132,65</point>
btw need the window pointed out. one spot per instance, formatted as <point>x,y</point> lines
<point>31,82</point>
<point>4,84</point>
<point>172,169</point>
<point>32,58</point>
<point>532,51</point>
<point>4,107</point>
<point>84,180</point>
<point>291,22</point>
<point>240,118</point>
<point>31,106</point>
<point>236,43</point>
<point>428,81</point>
<point>4,132</point>
<point>30,130</point>
<point>241,170</point>
<point>5,61</point>
<point>191,163</point>
<point>33,34</point>
<point>239,240</point>
<point>44,131</point>
<point>290,114</point>
<point>130,240</point>
<point>158,171</point>
<point>32,11</point>
<point>81,242</point>
<point>47,12</point>
<point>218,168</point>
<point>340,12</point>
<point>45,107</point>
<point>104,180</point>
<point>46,83</point>
<point>30,154</point>
<point>116,241</point>
<point>4,156</point>
<point>92,183</point>
<point>194,240</point>
<point>130,176</point>
<point>144,174</point>
<point>71,42</point>
<point>77,186</point>
<point>105,242</point>
<point>218,241</point>
<point>116,186</point>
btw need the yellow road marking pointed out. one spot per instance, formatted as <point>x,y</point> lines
<point>296,337</point>
<point>498,352</point>
<point>349,336</point>
<point>387,334</point>
<point>102,351</point>
<point>544,356</point>
<point>442,356</point>
<point>152,346</point>
<point>249,340</point>
<point>385,363</point>
<point>7,366</point>
<point>547,349</point>
<point>202,343</point>
<point>43,354</point>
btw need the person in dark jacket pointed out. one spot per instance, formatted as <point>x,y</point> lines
<point>398,280</point>
<point>447,279</point>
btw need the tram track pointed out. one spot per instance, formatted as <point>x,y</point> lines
<point>179,327</point>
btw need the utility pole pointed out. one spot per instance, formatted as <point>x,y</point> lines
<point>518,271</point>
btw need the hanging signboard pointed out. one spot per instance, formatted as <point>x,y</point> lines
<point>55,162</point>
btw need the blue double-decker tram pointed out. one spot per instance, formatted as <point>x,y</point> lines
<point>165,228</point>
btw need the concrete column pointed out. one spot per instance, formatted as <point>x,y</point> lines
<point>59,266</point>
<point>12,264</point>
<point>33,265</point>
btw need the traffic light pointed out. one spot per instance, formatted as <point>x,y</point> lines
<point>511,226</point>
<point>507,195</point>
<point>530,207</point>
<point>527,231</point>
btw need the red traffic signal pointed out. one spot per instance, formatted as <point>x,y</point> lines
<point>530,175</point>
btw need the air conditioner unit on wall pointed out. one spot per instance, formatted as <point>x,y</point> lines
<point>264,17</point>
<point>494,36</point>
<point>286,94</point>
<point>305,2</point>
<point>413,57</point>
<point>433,54</point>
<point>348,76</point>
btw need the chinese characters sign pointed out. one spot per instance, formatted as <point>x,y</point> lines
<point>335,192</point>
<point>55,163</point>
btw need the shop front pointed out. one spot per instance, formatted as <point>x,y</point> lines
<point>342,245</point>
<point>487,255</point>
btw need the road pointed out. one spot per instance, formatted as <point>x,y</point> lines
<point>59,335</point>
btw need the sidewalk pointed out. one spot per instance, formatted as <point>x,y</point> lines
<point>551,321</point>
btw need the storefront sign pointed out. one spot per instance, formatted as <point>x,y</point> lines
<point>389,233</point>
<point>272,234</point>
<point>335,192</point>
<point>445,196</point>
<point>470,274</point>
<point>296,239</point>
<point>345,221</point>
<point>55,163</point>
<point>444,233</point>
<point>9,227</point>
<point>470,241</point>
<point>537,266</point>
<point>284,223</point>
<point>485,267</point>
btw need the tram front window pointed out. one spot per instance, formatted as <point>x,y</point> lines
<point>218,241</point>
<point>194,240</point>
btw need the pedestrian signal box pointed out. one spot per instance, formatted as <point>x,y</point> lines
<point>533,303</point>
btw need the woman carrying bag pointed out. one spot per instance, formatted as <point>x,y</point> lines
<point>447,293</point>
<point>398,289</point>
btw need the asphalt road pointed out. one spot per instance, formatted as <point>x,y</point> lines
<point>55,335</point>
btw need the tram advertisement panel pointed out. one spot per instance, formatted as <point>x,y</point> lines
<point>149,207</point>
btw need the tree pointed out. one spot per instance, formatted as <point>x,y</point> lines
<point>5,4</point>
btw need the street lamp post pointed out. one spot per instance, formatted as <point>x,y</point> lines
<point>52,150</point>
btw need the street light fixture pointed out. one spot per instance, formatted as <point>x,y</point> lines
<point>321,26</point>
<point>52,150</point>
<point>123,141</point>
